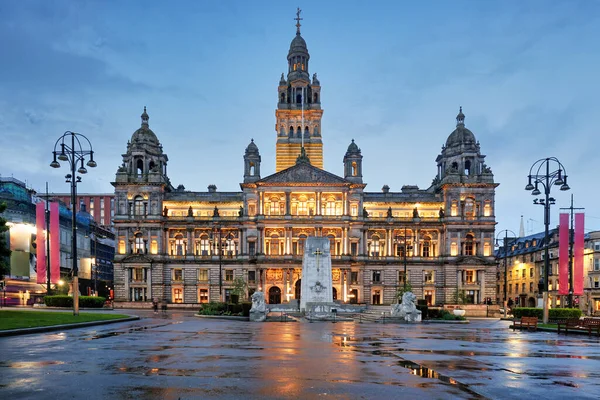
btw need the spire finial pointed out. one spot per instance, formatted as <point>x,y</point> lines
<point>460,118</point>
<point>145,117</point>
<point>298,19</point>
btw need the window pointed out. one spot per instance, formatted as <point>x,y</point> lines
<point>203,297</point>
<point>531,287</point>
<point>92,206</point>
<point>426,247</point>
<point>139,243</point>
<point>251,248</point>
<point>177,274</point>
<point>374,246</point>
<point>531,272</point>
<point>401,277</point>
<point>154,247</point>
<point>228,275</point>
<point>203,246</point>
<point>487,249</point>
<point>470,276</point>
<point>138,206</point>
<point>227,295</point>
<point>376,276</point>
<point>523,288</point>
<point>428,276</point>
<point>510,288</point>
<point>354,210</point>
<point>470,245</point>
<point>121,246</point>
<point>596,282</point>
<point>203,275</point>
<point>429,297</point>
<point>251,276</point>
<point>353,277</point>
<point>469,208</point>
<point>596,264</point>
<point>523,273</point>
<point>137,294</point>
<point>177,295</point>
<point>453,249</point>
<point>454,209</point>
<point>487,209</point>
<point>597,246</point>
<point>179,246</point>
<point>354,248</point>
<point>137,275</point>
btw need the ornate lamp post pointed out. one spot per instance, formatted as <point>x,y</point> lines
<point>75,153</point>
<point>505,246</point>
<point>546,172</point>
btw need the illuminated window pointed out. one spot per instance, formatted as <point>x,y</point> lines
<point>454,209</point>
<point>469,208</point>
<point>374,250</point>
<point>139,243</point>
<point>122,247</point>
<point>428,276</point>
<point>177,295</point>
<point>426,247</point>
<point>487,209</point>
<point>470,276</point>
<point>354,169</point>
<point>487,249</point>
<point>203,295</point>
<point>354,210</point>
<point>453,249</point>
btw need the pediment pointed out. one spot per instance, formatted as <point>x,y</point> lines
<point>137,258</point>
<point>303,173</point>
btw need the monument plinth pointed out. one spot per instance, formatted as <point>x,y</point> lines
<point>317,287</point>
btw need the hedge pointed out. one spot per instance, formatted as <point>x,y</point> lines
<point>67,301</point>
<point>554,313</point>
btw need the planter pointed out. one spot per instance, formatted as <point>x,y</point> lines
<point>459,313</point>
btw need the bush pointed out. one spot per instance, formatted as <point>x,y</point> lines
<point>424,310</point>
<point>213,308</point>
<point>91,301</point>
<point>246,306</point>
<point>553,314</point>
<point>448,316</point>
<point>63,300</point>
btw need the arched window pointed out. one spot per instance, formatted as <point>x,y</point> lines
<point>281,130</point>
<point>139,244</point>
<point>179,245</point>
<point>138,205</point>
<point>316,97</point>
<point>282,98</point>
<point>374,251</point>
<point>299,98</point>
<point>301,243</point>
<point>454,208</point>
<point>469,245</point>
<point>487,208</point>
<point>274,245</point>
<point>306,133</point>
<point>330,206</point>
<point>291,134</point>
<point>426,247</point>
<point>354,169</point>
<point>139,166</point>
<point>251,169</point>
<point>469,208</point>
<point>299,131</point>
<point>204,245</point>
<point>467,167</point>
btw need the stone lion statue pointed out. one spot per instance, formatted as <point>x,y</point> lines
<point>258,302</point>
<point>407,308</point>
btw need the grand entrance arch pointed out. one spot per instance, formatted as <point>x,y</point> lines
<point>274,295</point>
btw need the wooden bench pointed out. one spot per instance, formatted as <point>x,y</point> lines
<point>576,324</point>
<point>526,322</point>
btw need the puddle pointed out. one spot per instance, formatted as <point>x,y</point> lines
<point>130,330</point>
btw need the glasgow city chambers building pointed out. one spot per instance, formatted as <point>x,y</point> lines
<point>188,247</point>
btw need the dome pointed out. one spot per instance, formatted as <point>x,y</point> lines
<point>353,148</point>
<point>298,45</point>
<point>252,147</point>
<point>144,134</point>
<point>461,135</point>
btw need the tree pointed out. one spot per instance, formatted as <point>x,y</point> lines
<point>239,288</point>
<point>401,291</point>
<point>4,245</point>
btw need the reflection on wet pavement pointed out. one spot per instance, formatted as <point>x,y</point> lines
<point>186,357</point>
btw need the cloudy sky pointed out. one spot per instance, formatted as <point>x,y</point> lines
<point>393,75</point>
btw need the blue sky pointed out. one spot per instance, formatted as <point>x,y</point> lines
<point>393,75</point>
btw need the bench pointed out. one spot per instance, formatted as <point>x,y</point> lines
<point>576,324</point>
<point>526,322</point>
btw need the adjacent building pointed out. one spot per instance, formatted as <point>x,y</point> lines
<point>523,264</point>
<point>99,205</point>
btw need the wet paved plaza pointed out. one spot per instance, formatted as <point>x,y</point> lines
<point>182,356</point>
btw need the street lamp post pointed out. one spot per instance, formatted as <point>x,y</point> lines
<point>75,153</point>
<point>540,174</point>
<point>505,245</point>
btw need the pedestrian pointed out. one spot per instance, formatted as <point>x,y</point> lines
<point>155,305</point>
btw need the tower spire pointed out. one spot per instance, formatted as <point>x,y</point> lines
<point>298,19</point>
<point>522,228</point>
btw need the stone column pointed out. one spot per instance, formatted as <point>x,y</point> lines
<point>287,203</point>
<point>318,203</point>
<point>242,244</point>
<point>388,247</point>
<point>260,203</point>
<point>190,242</point>
<point>416,244</point>
<point>481,277</point>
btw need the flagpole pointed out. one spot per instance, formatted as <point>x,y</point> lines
<point>302,126</point>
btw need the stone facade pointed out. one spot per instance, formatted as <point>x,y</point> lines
<point>189,247</point>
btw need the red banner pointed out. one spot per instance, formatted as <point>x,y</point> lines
<point>40,225</point>
<point>563,254</point>
<point>54,243</point>
<point>578,255</point>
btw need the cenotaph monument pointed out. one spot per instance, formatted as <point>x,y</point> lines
<point>316,298</point>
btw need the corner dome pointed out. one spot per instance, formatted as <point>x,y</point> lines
<point>298,44</point>
<point>353,148</point>
<point>461,135</point>
<point>144,134</point>
<point>252,147</point>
